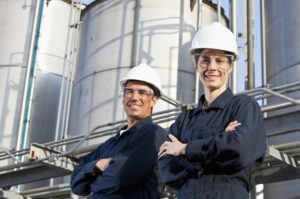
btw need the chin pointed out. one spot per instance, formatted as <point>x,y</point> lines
<point>212,88</point>
<point>133,115</point>
<point>212,85</point>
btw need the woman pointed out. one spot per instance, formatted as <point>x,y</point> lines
<point>214,148</point>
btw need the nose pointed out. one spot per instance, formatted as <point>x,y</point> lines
<point>135,94</point>
<point>212,65</point>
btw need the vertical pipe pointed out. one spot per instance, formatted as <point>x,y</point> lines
<point>66,80</point>
<point>263,43</point>
<point>69,70</point>
<point>30,77</point>
<point>263,50</point>
<point>199,14</point>
<point>234,30</point>
<point>250,65</point>
<point>74,58</point>
<point>135,33</point>
<point>58,127</point>
<point>219,10</point>
<point>199,24</point>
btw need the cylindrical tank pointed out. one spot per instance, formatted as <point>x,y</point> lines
<point>17,20</point>
<point>57,43</point>
<point>117,35</point>
<point>283,67</point>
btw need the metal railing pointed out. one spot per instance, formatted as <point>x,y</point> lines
<point>278,155</point>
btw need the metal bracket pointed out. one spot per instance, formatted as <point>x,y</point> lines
<point>51,157</point>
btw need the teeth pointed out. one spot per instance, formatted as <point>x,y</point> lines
<point>212,76</point>
<point>133,105</point>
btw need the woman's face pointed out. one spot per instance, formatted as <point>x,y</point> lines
<point>214,67</point>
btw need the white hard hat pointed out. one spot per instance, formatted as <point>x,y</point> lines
<point>215,36</point>
<point>144,73</point>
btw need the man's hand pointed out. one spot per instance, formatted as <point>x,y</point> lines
<point>102,164</point>
<point>173,147</point>
<point>231,126</point>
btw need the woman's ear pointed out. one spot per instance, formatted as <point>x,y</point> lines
<point>231,65</point>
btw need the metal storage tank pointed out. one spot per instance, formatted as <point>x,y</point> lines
<point>33,34</point>
<point>15,22</point>
<point>282,28</point>
<point>117,35</point>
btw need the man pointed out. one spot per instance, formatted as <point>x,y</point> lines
<point>125,166</point>
<point>214,148</point>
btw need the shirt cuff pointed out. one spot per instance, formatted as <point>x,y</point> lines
<point>194,150</point>
<point>91,170</point>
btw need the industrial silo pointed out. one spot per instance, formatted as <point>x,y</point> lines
<point>33,55</point>
<point>282,28</point>
<point>16,22</point>
<point>117,35</point>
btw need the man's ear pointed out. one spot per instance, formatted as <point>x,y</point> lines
<point>154,100</point>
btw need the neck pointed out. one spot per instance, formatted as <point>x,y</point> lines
<point>131,122</point>
<point>211,95</point>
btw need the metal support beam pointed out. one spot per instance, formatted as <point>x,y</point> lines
<point>31,174</point>
<point>47,165</point>
<point>283,157</point>
<point>285,168</point>
<point>9,194</point>
<point>276,174</point>
<point>50,157</point>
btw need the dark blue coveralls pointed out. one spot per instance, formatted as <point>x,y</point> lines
<point>217,164</point>
<point>133,171</point>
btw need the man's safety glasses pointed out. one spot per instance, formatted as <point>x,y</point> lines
<point>128,92</point>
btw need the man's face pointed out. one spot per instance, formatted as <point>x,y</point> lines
<point>138,100</point>
<point>214,67</point>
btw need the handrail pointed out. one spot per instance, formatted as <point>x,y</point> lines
<point>158,117</point>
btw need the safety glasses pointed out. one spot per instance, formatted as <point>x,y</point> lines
<point>143,93</point>
<point>204,60</point>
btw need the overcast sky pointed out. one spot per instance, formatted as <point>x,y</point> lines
<point>87,1</point>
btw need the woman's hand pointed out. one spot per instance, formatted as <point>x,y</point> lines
<point>177,148</point>
<point>231,126</point>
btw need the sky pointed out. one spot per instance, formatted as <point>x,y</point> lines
<point>87,1</point>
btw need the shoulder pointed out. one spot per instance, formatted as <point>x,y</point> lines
<point>186,111</point>
<point>242,98</point>
<point>152,127</point>
<point>152,132</point>
<point>243,101</point>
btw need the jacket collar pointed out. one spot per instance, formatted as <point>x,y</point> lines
<point>139,124</point>
<point>220,102</point>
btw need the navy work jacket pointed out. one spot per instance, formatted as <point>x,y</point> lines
<point>132,172</point>
<point>217,164</point>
